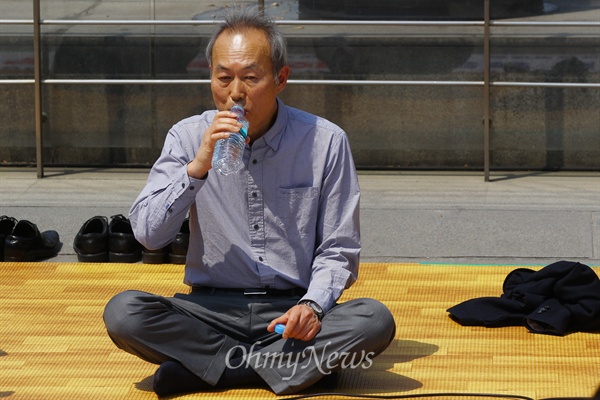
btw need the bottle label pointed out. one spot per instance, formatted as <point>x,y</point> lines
<point>244,129</point>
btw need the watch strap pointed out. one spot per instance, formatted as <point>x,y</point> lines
<point>314,306</point>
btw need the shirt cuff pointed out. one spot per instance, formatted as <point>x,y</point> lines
<point>184,188</point>
<point>322,297</point>
<point>551,318</point>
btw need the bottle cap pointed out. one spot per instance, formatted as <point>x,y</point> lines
<point>238,109</point>
<point>279,328</point>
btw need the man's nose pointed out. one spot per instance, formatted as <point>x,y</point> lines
<point>238,90</point>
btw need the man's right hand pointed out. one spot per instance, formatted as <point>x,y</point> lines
<point>300,322</point>
<point>224,123</point>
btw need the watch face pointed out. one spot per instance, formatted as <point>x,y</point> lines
<point>316,307</point>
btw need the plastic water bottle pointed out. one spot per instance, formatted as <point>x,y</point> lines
<point>229,153</point>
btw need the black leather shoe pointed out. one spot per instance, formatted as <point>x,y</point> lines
<point>7,224</point>
<point>160,256</point>
<point>179,246</point>
<point>91,243</point>
<point>26,243</point>
<point>122,245</point>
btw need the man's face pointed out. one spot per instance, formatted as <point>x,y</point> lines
<point>242,72</point>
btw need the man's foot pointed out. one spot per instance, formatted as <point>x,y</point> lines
<point>173,378</point>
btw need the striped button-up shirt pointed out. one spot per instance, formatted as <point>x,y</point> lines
<point>289,219</point>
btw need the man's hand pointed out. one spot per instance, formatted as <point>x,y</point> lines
<point>300,322</point>
<point>224,123</point>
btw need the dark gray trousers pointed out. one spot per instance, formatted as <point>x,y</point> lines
<point>203,330</point>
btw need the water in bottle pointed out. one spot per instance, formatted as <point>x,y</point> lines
<point>229,153</point>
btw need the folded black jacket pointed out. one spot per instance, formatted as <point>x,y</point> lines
<point>560,298</point>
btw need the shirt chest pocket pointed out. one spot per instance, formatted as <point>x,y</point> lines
<point>297,208</point>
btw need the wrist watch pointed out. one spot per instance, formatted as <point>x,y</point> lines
<point>315,307</point>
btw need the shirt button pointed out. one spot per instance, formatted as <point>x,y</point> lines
<point>191,188</point>
<point>260,259</point>
<point>256,227</point>
<point>254,194</point>
<point>183,185</point>
<point>254,161</point>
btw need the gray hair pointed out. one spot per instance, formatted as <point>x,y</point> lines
<point>239,19</point>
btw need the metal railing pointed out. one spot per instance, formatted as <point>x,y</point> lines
<point>485,83</point>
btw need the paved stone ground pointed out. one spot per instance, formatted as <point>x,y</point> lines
<point>517,218</point>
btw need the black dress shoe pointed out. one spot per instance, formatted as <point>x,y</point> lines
<point>26,243</point>
<point>7,224</point>
<point>160,256</point>
<point>122,245</point>
<point>91,242</point>
<point>179,246</point>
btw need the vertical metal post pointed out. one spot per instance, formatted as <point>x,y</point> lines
<point>261,6</point>
<point>151,89</point>
<point>486,90</point>
<point>37,67</point>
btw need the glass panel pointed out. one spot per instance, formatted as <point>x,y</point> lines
<point>427,127</point>
<point>315,52</point>
<point>126,52</point>
<point>545,128</point>
<point>96,52</point>
<point>16,9</point>
<point>401,126</point>
<point>95,10</point>
<point>546,11</point>
<point>16,52</point>
<point>127,124</point>
<point>383,52</point>
<point>545,54</point>
<point>128,10</point>
<point>202,9</point>
<point>131,117</point>
<point>17,130</point>
<point>458,10</point>
<point>16,40</point>
<point>178,52</point>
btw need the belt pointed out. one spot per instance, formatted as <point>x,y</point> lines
<point>250,291</point>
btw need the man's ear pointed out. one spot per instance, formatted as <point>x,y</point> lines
<point>282,77</point>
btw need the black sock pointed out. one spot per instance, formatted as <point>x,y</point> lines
<point>173,378</point>
<point>239,372</point>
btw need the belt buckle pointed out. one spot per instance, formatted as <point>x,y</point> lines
<point>255,292</point>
